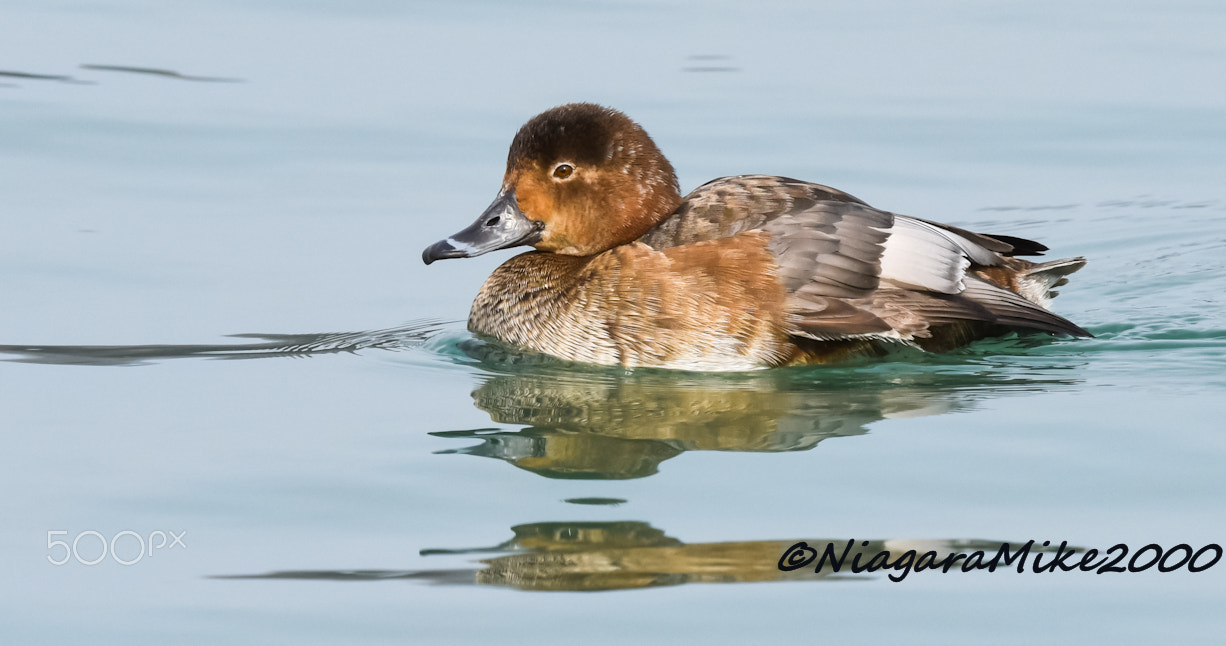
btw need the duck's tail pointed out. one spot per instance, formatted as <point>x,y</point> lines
<point>1033,281</point>
<point>1037,281</point>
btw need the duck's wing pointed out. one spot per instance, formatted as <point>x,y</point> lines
<point>1002,244</point>
<point>850,270</point>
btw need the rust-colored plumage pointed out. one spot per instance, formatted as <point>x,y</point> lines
<point>745,272</point>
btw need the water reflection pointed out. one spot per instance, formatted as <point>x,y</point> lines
<point>405,336</point>
<point>31,76</point>
<point>710,63</point>
<point>154,71</point>
<point>612,502</point>
<point>588,423</point>
<point>593,556</point>
<point>148,71</point>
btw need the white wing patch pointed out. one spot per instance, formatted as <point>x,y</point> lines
<point>923,256</point>
<point>920,255</point>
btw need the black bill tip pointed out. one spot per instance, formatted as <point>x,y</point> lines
<point>440,250</point>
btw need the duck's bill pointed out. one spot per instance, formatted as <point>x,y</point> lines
<point>502,225</point>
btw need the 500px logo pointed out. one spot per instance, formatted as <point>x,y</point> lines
<point>130,544</point>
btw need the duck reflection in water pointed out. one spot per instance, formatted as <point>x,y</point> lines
<point>595,556</point>
<point>586,422</point>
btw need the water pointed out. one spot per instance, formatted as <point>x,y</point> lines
<point>356,469</point>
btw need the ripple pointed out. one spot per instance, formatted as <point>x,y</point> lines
<point>409,335</point>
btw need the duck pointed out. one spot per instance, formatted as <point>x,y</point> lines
<point>745,272</point>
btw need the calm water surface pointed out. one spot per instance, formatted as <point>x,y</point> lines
<point>353,467</point>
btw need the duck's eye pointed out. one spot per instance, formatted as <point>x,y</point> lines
<point>563,171</point>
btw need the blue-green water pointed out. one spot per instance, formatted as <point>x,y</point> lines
<point>356,469</point>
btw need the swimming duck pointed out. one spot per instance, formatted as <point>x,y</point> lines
<point>745,272</point>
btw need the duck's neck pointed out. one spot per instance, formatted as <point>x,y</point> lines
<point>655,207</point>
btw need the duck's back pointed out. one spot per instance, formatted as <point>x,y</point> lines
<point>729,205</point>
